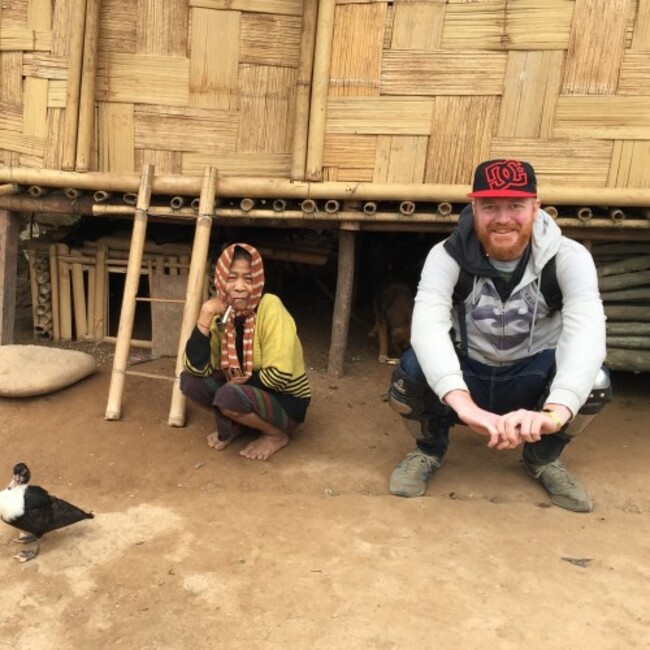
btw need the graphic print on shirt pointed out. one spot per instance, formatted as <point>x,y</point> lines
<point>505,326</point>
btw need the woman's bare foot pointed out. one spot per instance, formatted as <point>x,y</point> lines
<point>215,443</point>
<point>265,446</point>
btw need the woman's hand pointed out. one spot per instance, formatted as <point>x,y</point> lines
<point>209,310</point>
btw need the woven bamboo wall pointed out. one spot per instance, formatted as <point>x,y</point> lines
<point>407,91</point>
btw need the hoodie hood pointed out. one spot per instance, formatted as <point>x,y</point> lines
<point>464,247</point>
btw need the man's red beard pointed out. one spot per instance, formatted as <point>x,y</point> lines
<point>512,247</point>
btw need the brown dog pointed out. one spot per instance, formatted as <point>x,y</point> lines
<point>393,305</point>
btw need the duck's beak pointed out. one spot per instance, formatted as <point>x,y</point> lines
<point>15,482</point>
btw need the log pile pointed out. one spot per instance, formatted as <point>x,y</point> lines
<point>624,281</point>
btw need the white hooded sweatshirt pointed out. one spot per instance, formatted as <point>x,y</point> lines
<point>502,332</point>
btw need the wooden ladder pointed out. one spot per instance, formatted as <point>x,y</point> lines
<point>192,302</point>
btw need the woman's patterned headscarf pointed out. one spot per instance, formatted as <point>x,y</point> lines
<point>229,360</point>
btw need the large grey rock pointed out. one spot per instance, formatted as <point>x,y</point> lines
<point>27,370</point>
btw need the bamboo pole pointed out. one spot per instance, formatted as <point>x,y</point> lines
<point>33,285</point>
<point>369,208</point>
<point>269,188</point>
<point>54,204</point>
<point>194,291</point>
<point>79,298</point>
<point>72,193</point>
<point>177,202</point>
<point>444,208</point>
<point>88,82</point>
<point>54,280</point>
<point>125,328</point>
<point>616,215</point>
<point>638,263</point>
<point>624,281</point>
<point>629,328</point>
<point>37,191</point>
<point>584,214</point>
<point>551,211</point>
<point>247,204</point>
<point>630,360</point>
<point>100,196</point>
<point>90,304</point>
<point>332,206</point>
<point>73,85</point>
<point>309,206</point>
<point>629,342</point>
<point>97,329</point>
<point>279,205</point>
<point>8,188</point>
<point>65,308</point>
<point>303,89</point>
<point>627,313</point>
<point>320,88</point>
<point>407,208</point>
<point>627,295</point>
<point>343,302</point>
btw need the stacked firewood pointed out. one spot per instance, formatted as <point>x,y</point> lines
<point>624,281</point>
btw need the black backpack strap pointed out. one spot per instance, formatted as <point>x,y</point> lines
<point>550,287</point>
<point>461,291</point>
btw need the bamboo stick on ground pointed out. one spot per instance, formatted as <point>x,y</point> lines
<point>629,342</point>
<point>627,295</point>
<point>627,313</point>
<point>624,281</point>
<point>98,329</point>
<point>639,263</point>
<point>194,291</point>
<point>125,328</point>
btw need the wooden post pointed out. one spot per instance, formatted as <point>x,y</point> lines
<point>87,92</point>
<point>320,88</point>
<point>65,308</point>
<point>303,89</point>
<point>194,293</point>
<point>98,329</point>
<point>343,302</point>
<point>73,85</point>
<point>78,297</point>
<point>131,282</point>
<point>8,268</point>
<point>54,280</point>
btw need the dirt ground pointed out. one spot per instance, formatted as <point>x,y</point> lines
<point>193,548</point>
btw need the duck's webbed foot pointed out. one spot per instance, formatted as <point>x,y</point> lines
<point>25,538</point>
<point>30,553</point>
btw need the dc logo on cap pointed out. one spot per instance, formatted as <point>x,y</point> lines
<point>504,174</point>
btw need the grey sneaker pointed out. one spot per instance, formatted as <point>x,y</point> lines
<point>409,478</point>
<point>565,491</point>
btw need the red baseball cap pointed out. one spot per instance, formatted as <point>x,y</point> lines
<point>503,179</point>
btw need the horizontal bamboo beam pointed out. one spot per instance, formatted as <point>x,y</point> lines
<point>269,188</point>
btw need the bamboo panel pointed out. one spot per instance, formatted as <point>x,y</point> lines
<point>11,79</point>
<point>355,175</point>
<point>187,129</point>
<point>266,109</point>
<point>268,39</point>
<point>161,27</point>
<point>641,34</point>
<point>417,25</point>
<point>20,143</point>
<point>165,162</point>
<point>116,139</point>
<point>39,14</point>
<point>560,162</point>
<point>538,24</point>
<point>25,39</point>
<point>596,47</point>
<point>531,87</point>
<point>213,81</point>
<point>442,73</point>
<point>400,159</point>
<point>118,26</point>
<point>11,117</point>
<point>354,151</point>
<point>44,66</point>
<point>143,79</point>
<point>375,115</point>
<point>53,153</point>
<point>35,107</point>
<point>288,7</point>
<point>61,20</point>
<point>355,68</point>
<point>482,24</point>
<point>56,94</point>
<point>14,12</point>
<point>237,164</point>
<point>635,74</point>
<point>630,165</point>
<point>617,117</point>
<point>460,137</point>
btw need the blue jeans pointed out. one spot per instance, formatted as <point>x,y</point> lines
<point>499,389</point>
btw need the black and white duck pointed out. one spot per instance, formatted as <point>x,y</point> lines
<point>34,511</point>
